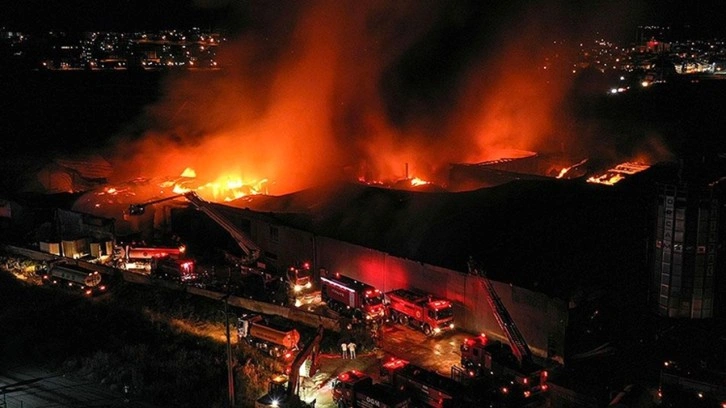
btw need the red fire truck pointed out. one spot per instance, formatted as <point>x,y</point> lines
<point>352,298</point>
<point>426,388</point>
<point>179,270</point>
<point>481,358</point>
<point>356,389</point>
<point>431,389</point>
<point>252,261</point>
<point>420,310</point>
<point>514,362</point>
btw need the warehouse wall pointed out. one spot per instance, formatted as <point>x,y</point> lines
<point>541,319</point>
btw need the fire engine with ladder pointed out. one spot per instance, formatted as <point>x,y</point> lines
<point>299,279</point>
<point>514,363</point>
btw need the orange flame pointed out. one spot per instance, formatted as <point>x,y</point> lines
<point>618,173</point>
<point>565,170</point>
<point>299,115</point>
<point>606,179</point>
<point>224,188</point>
<point>418,182</point>
<point>189,172</point>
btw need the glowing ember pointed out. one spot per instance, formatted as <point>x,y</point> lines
<point>114,191</point>
<point>405,183</point>
<point>618,173</point>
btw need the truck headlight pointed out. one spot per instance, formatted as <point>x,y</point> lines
<point>437,330</point>
<point>308,285</point>
<point>297,288</point>
<point>451,326</point>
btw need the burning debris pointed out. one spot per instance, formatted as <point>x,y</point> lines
<point>618,173</point>
<point>114,199</point>
<point>522,166</point>
<point>223,189</point>
<point>566,171</point>
<point>407,182</point>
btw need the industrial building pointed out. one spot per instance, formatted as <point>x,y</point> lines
<point>688,239</point>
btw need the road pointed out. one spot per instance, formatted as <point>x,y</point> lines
<point>32,387</point>
<point>437,354</point>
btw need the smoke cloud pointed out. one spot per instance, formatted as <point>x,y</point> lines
<point>315,91</point>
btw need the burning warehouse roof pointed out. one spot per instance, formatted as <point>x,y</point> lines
<point>618,173</point>
<point>549,236</point>
<point>518,165</point>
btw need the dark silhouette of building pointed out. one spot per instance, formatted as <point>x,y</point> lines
<point>688,242</point>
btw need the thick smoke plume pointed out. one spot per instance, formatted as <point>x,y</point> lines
<point>333,89</point>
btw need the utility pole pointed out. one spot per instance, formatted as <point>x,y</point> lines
<point>230,371</point>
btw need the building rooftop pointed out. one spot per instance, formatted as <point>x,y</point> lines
<point>552,236</point>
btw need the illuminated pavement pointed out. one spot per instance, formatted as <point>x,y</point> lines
<point>437,354</point>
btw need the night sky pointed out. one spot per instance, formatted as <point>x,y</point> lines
<point>705,16</point>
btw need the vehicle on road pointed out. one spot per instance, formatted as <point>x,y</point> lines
<point>357,390</point>
<point>283,390</point>
<point>352,298</point>
<point>89,282</point>
<point>274,340</point>
<point>420,310</point>
<point>298,279</point>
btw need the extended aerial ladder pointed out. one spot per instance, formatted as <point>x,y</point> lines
<point>298,278</point>
<point>251,250</point>
<point>518,344</point>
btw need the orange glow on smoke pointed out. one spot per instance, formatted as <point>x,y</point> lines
<point>299,102</point>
